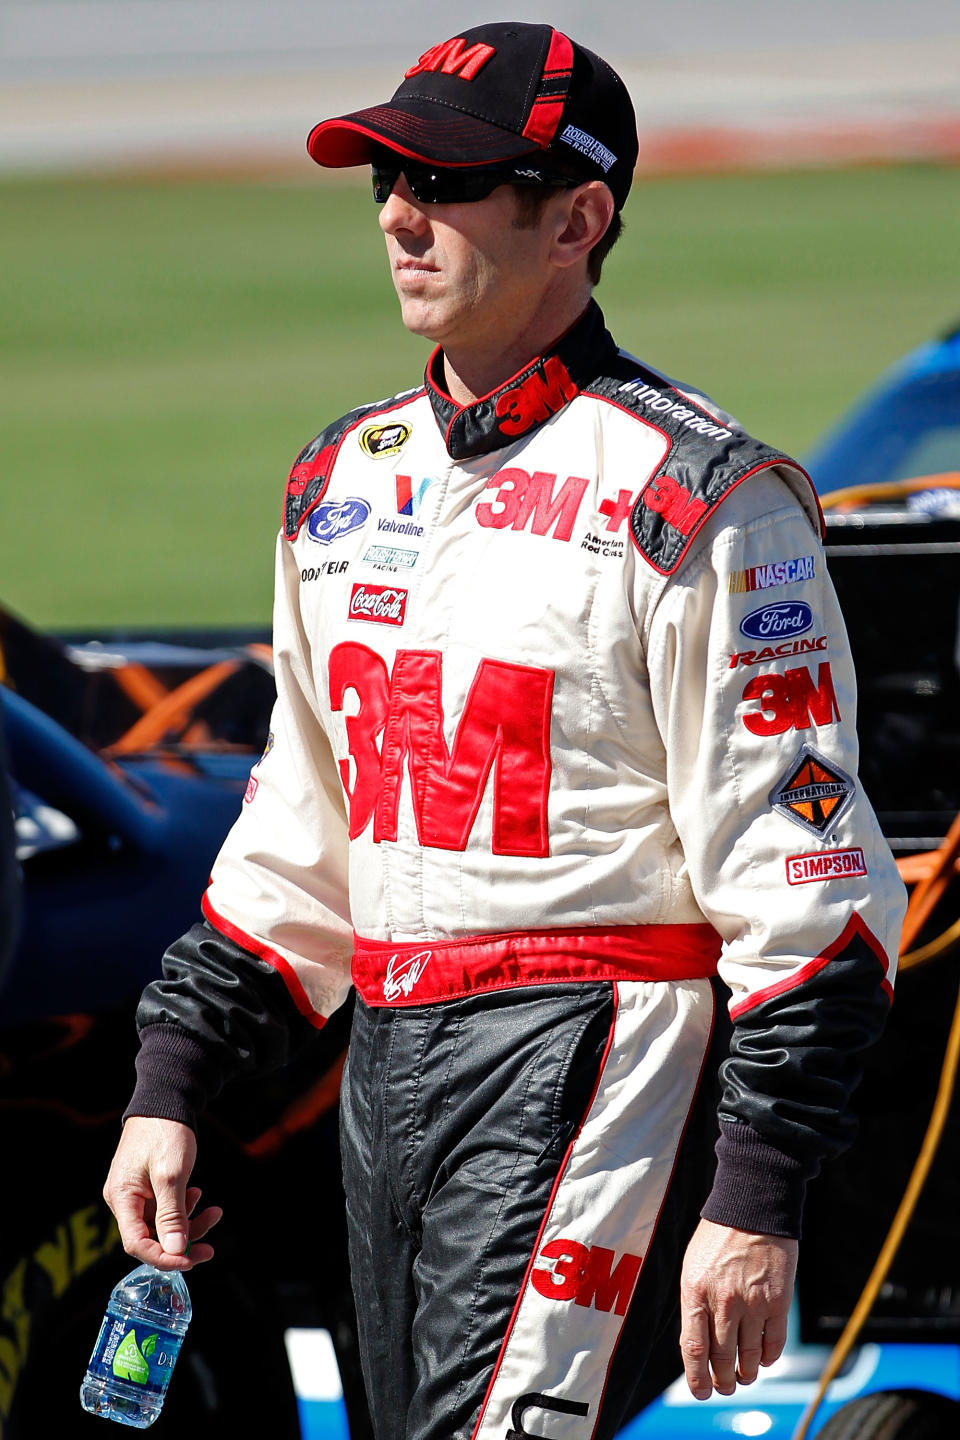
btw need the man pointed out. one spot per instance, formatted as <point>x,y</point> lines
<point>565,703</point>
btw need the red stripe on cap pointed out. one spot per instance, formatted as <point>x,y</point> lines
<point>541,126</point>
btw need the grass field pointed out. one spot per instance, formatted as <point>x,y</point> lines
<point>167,348</point>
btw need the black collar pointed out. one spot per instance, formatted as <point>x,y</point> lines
<point>527,399</point>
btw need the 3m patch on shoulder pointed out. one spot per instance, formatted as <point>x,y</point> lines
<point>704,462</point>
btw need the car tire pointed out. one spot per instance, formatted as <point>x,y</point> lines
<point>895,1415</point>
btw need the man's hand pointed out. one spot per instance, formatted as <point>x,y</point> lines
<point>148,1193</point>
<point>735,1292</point>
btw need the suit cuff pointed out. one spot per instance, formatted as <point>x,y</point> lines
<point>757,1187</point>
<point>176,1078</point>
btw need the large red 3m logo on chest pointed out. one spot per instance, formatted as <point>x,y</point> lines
<point>503,733</point>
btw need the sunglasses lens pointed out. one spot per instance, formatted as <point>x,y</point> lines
<point>451,186</point>
<point>435,186</point>
<point>384,179</point>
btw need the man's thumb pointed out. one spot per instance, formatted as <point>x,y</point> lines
<point>172,1230</point>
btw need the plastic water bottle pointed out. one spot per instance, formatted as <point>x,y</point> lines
<point>136,1350</point>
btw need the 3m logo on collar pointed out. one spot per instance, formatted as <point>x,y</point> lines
<point>545,391</point>
<point>813,793</point>
<point>453,57</point>
<point>379,440</point>
<point>667,497</point>
<point>403,974</point>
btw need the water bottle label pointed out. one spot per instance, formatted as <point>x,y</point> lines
<point>141,1353</point>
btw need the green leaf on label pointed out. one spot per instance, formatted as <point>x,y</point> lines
<point>128,1363</point>
<point>149,1345</point>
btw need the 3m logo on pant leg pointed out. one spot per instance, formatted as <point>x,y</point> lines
<point>536,1401</point>
<point>503,734</point>
<point>587,1275</point>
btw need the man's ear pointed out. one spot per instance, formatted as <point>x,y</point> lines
<point>584,219</point>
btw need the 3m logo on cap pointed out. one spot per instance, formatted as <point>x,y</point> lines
<point>813,793</point>
<point>453,57</point>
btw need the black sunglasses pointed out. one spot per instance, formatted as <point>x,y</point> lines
<point>452,185</point>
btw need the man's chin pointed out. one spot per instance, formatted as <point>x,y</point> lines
<point>421,319</point>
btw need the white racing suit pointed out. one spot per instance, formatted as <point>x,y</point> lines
<point>565,726</point>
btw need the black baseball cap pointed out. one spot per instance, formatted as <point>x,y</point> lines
<point>494,93</point>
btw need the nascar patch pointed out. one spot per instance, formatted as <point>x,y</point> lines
<point>813,793</point>
<point>766,577</point>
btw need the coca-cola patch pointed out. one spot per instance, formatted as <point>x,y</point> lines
<point>384,604</point>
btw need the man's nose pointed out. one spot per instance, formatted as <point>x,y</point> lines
<point>401,211</point>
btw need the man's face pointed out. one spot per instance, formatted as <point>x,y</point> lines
<point>466,275</point>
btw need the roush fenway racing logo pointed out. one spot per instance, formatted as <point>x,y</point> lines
<point>383,604</point>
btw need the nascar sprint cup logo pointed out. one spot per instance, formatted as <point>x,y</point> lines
<point>383,604</point>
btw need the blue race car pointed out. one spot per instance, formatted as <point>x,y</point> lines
<point>904,434</point>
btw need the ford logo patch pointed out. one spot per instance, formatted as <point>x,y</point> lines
<point>334,518</point>
<point>774,622</point>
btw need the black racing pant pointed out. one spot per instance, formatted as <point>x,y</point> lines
<point>497,1153</point>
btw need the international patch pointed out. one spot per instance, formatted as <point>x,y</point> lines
<point>335,518</point>
<point>813,793</point>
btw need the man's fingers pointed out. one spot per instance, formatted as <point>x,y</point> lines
<point>774,1339</point>
<point>749,1349</point>
<point>695,1350</point>
<point>170,1190</point>
<point>723,1354</point>
<point>202,1223</point>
